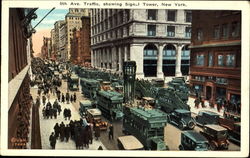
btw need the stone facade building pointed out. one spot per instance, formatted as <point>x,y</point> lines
<point>19,102</point>
<point>53,46</point>
<point>62,42</point>
<point>73,20</point>
<point>215,68</point>
<point>156,39</point>
<point>57,26</point>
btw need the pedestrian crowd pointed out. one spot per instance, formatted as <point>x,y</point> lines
<point>78,131</point>
<point>231,106</point>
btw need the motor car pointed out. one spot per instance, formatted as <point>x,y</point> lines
<point>94,116</point>
<point>129,142</point>
<point>207,117</point>
<point>73,83</point>
<point>234,134</point>
<point>216,135</point>
<point>84,106</point>
<point>181,118</point>
<point>191,140</point>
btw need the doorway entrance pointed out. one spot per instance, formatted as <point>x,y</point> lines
<point>208,92</point>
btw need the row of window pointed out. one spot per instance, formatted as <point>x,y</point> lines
<point>171,15</point>
<point>152,14</point>
<point>110,23</point>
<point>75,18</point>
<point>223,31</point>
<point>76,10</point>
<point>218,80</point>
<point>118,33</point>
<point>170,31</point>
<point>169,53</point>
<point>118,18</point>
<point>222,60</point>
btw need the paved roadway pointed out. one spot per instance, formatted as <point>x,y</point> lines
<point>173,138</point>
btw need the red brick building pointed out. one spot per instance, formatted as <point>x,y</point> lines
<point>19,102</point>
<point>80,43</point>
<point>85,42</point>
<point>75,47</point>
<point>46,48</point>
<point>215,60</point>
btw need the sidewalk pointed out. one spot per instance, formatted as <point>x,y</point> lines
<point>47,125</point>
<point>196,111</point>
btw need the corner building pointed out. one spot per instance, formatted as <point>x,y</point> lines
<point>156,39</point>
<point>215,68</point>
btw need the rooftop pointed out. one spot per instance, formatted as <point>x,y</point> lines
<point>111,94</point>
<point>216,127</point>
<point>182,111</point>
<point>197,137</point>
<point>147,113</point>
<point>130,142</point>
<point>209,112</point>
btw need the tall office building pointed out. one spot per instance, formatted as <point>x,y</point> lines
<point>156,39</point>
<point>58,40</point>
<point>73,20</point>
<point>80,43</point>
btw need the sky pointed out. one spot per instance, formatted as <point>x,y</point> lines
<point>44,28</point>
<point>48,22</point>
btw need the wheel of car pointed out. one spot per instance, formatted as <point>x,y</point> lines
<point>181,125</point>
<point>212,147</point>
<point>191,125</point>
<point>169,119</point>
<point>181,147</point>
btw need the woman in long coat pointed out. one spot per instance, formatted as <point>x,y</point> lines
<point>97,132</point>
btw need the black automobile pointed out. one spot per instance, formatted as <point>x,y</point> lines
<point>191,140</point>
<point>207,117</point>
<point>234,134</point>
<point>181,118</point>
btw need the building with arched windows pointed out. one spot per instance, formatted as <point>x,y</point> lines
<point>157,40</point>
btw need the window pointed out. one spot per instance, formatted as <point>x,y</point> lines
<point>185,53</point>
<point>188,16</point>
<point>128,31</point>
<point>221,80</point>
<point>216,33</point>
<point>152,13</point>
<point>230,60</point>
<point>200,60</point>
<point>151,30</point>
<point>199,34</point>
<point>220,60</point>
<point>225,30</point>
<point>171,31</point>
<point>150,52</point>
<point>210,59</point>
<point>235,29</point>
<point>188,32</point>
<point>171,15</point>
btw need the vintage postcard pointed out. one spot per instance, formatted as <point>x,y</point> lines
<point>125,78</point>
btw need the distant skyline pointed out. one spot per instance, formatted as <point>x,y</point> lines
<point>48,22</point>
<point>43,29</point>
